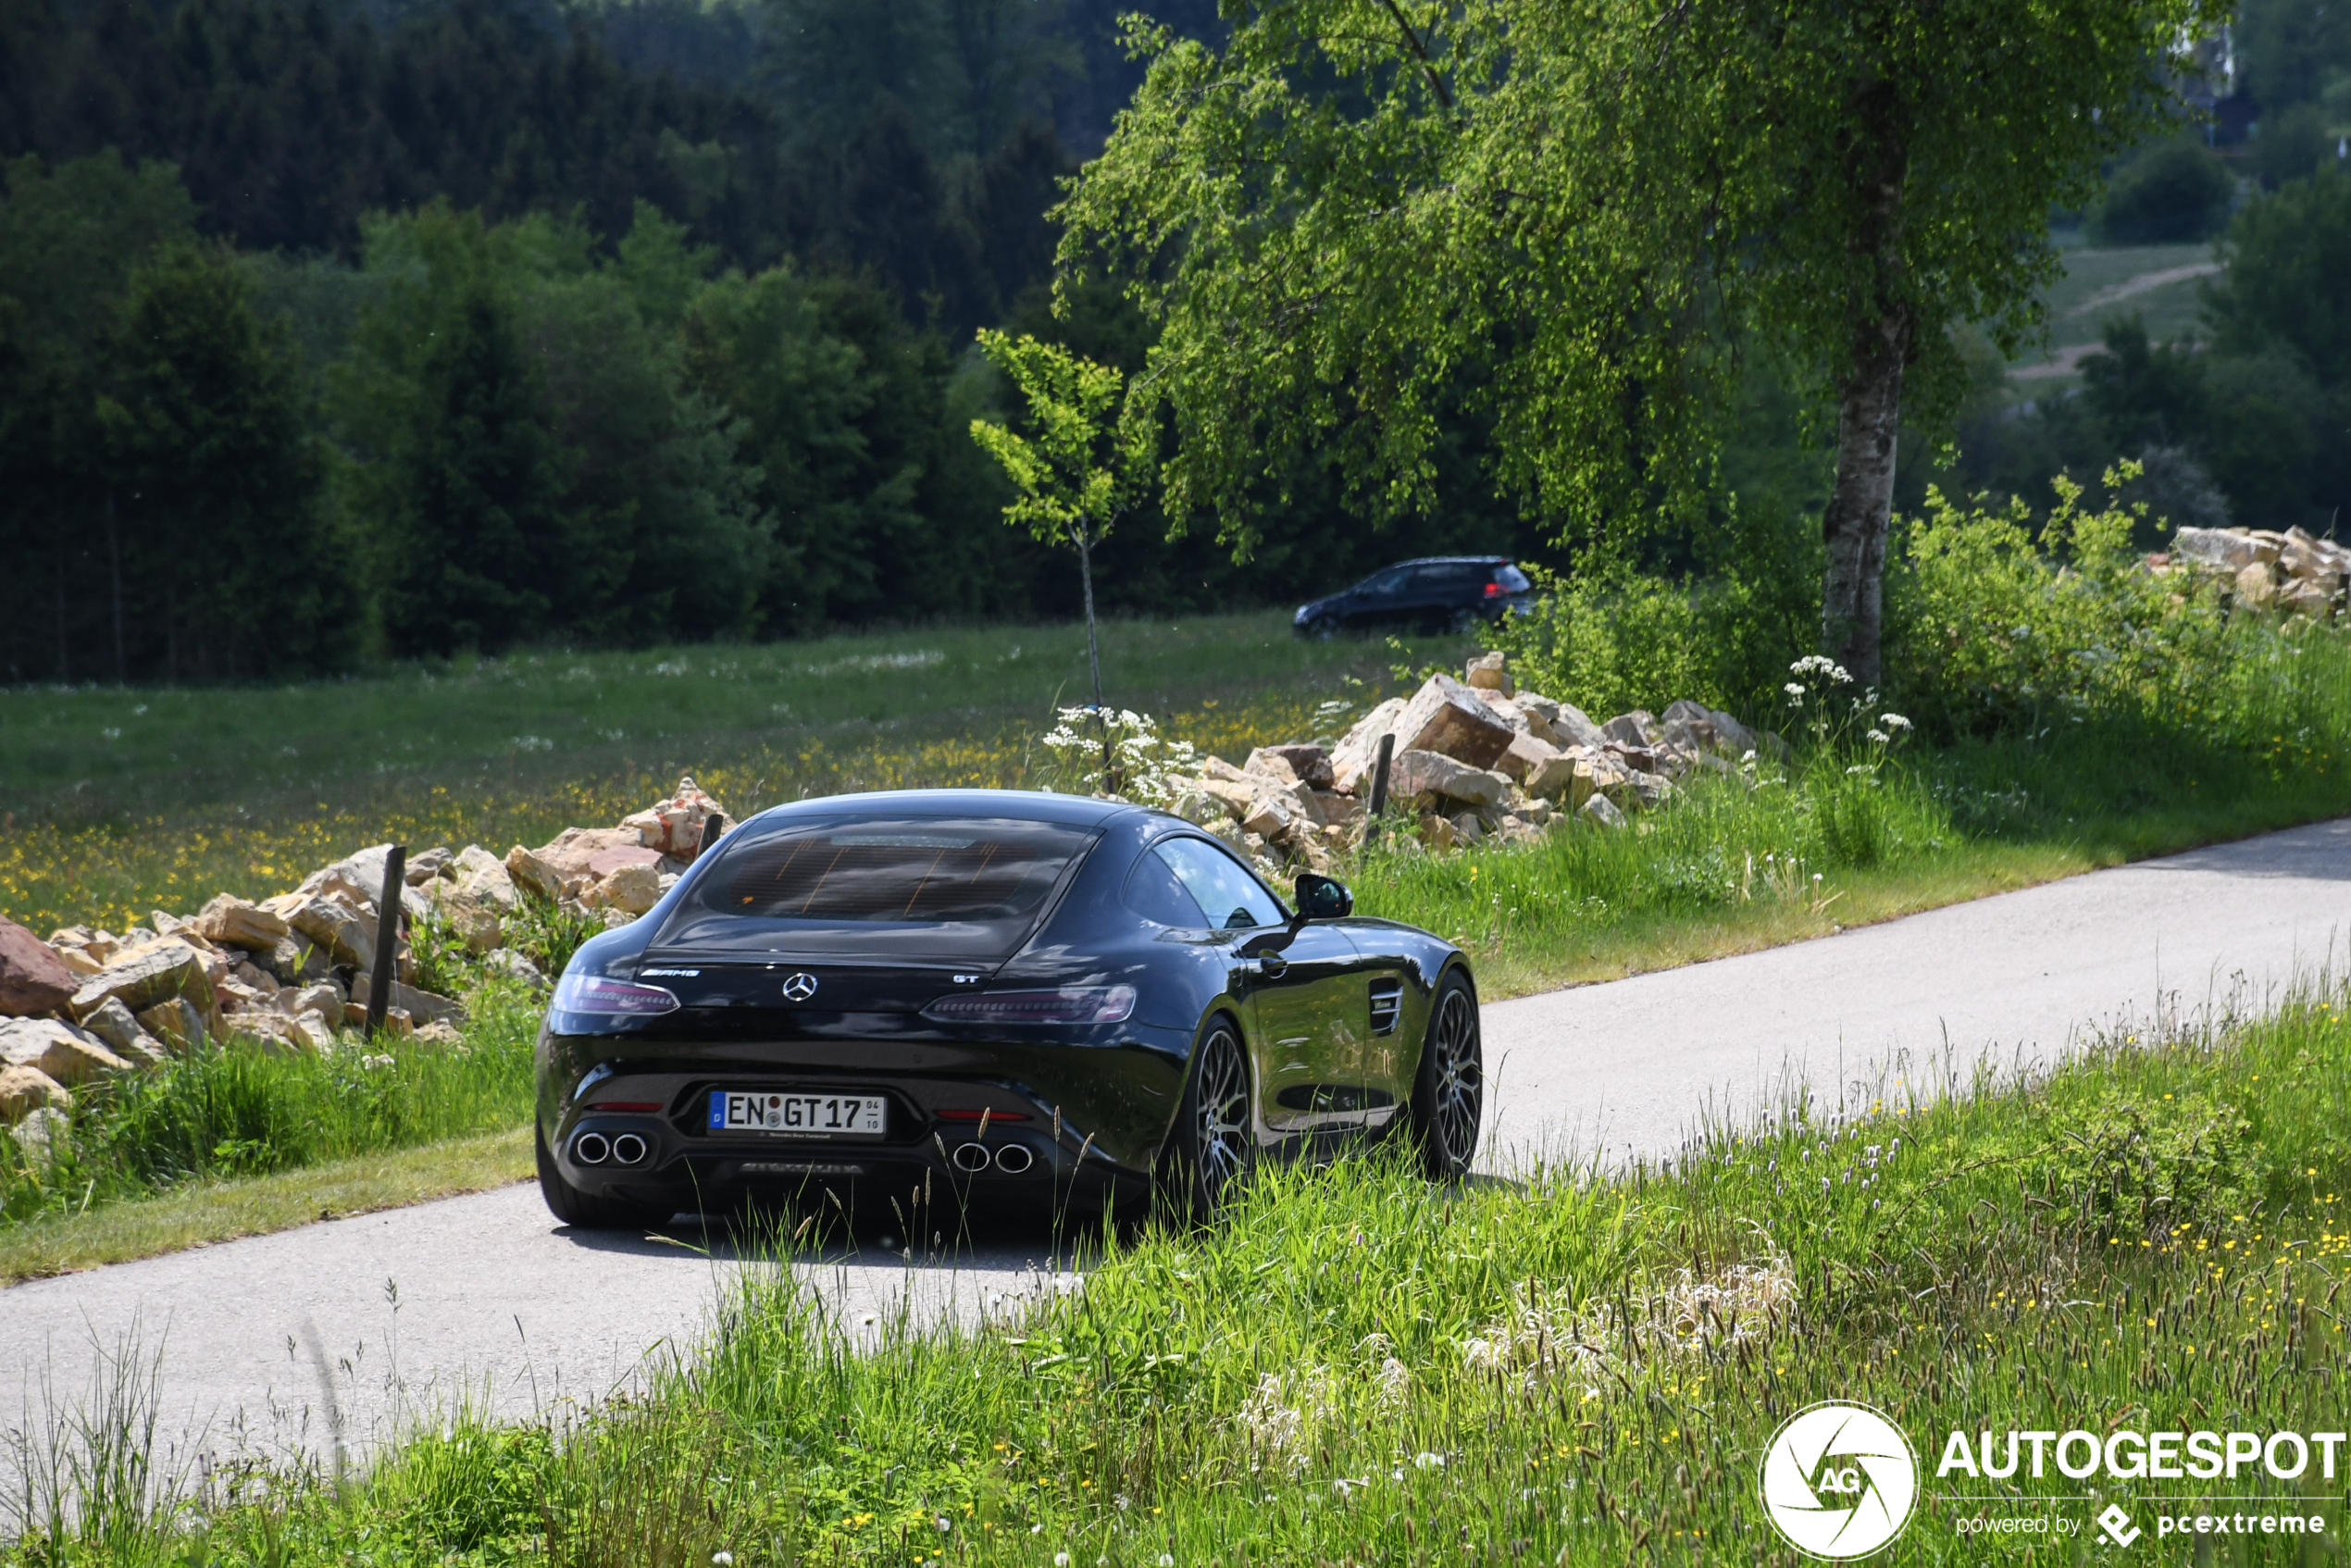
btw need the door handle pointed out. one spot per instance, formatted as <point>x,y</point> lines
<point>1271,965</point>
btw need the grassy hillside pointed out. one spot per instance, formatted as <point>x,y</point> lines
<point>119,800</point>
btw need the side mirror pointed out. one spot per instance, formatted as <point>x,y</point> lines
<point>1322,898</point>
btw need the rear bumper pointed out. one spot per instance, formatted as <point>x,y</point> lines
<point>1060,1120</point>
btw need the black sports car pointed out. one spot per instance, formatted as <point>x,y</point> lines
<point>996,993</point>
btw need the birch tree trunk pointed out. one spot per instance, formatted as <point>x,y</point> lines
<point>1869,416</point>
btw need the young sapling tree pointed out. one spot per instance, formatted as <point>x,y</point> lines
<point>1077,470</point>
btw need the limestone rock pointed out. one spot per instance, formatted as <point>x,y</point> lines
<point>147,976</point>
<point>1352,760</point>
<point>475,919</point>
<point>632,889</point>
<point>1635,728</point>
<point>569,854</point>
<point>1488,672</point>
<point>230,921</point>
<point>33,979</point>
<point>425,867</point>
<point>64,1053</point>
<point>2257,585</point>
<point>180,930</point>
<point>1270,813</point>
<point>506,960</point>
<point>1307,765</point>
<point>314,1030</point>
<point>123,1035</point>
<point>1419,775</point>
<point>439,1034</point>
<point>78,962</point>
<point>1602,810</point>
<point>1526,757</point>
<point>1446,717</point>
<point>1467,827</point>
<point>425,1005</point>
<point>485,876</point>
<point>332,924</point>
<point>674,826</point>
<point>176,1023</point>
<point>26,1089</point>
<point>1436,831</point>
<point>2225,549</point>
<point>1555,778</point>
<point>43,1137</point>
<point>533,875</point>
<point>2308,597</point>
<point>1234,798</point>
<point>1570,725</point>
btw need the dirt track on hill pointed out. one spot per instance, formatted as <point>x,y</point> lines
<point>329,1334</point>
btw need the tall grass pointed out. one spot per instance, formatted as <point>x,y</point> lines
<point>1356,1367</point>
<point>235,1110</point>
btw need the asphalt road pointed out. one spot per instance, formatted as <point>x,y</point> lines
<point>333,1333</point>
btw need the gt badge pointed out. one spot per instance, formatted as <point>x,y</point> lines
<point>799,987</point>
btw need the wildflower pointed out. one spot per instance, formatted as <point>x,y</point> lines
<point>1893,721</point>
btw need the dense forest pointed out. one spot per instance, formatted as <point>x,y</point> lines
<point>341,330</point>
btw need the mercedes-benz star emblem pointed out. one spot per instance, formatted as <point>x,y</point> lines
<point>799,987</point>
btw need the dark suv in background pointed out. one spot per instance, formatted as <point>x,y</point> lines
<point>1435,593</point>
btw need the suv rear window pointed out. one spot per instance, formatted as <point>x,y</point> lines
<point>1511,579</point>
<point>949,890</point>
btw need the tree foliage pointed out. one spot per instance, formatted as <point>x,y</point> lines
<point>1352,203</point>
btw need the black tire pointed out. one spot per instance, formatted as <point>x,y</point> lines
<point>1461,623</point>
<point>574,1207</point>
<point>1449,1092</point>
<point>1322,629</point>
<point>1209,1152</point>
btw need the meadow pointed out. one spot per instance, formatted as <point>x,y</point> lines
<point>214,1148</point>
<point>1565,1366</point>
<point>114,800</point>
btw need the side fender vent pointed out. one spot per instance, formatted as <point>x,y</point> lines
<point>1388,1005</point>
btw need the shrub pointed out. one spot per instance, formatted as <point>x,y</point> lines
<point>1994,629</point>
<point>2171,193</point>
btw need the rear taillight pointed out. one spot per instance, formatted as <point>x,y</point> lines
<point>640,1105</point>
<point>1493,590</point>
<point>1064,1005</point>
<point>597,997</point>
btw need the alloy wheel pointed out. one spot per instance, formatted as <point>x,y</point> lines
<point>1221,1135</point>
<point>1459,1078</point>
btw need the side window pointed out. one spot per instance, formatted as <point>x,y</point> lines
<point>1153,892</point>
<point>1448,577</point>
<point>1219,885</point>
<point>1383,585</point>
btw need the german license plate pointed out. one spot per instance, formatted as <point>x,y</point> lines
<point>854,1115</point>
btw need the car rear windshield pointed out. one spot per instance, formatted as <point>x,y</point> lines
<point>1511,579</point>
<point>949,890</point>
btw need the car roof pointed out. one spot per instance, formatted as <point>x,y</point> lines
<point>1453,561</point>
<point>1021,805</point>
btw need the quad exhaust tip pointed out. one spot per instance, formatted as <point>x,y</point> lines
<point>1014,1157</point>
<point>592,1149</point>
<point>628,1149</point>
<point>971,1158</point>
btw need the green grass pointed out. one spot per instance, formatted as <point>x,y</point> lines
<point>117,802</point>
<point>234,1111</point>
<point>1571,1367</point>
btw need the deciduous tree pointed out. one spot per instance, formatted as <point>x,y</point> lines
<point>1352,199</point>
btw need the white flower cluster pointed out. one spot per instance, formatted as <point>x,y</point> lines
<point>1145,766</point>
<point>1539,1341</point>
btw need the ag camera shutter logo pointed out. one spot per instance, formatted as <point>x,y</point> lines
<point>1839,1481</point>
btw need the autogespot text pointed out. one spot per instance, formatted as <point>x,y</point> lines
<point>2135,1456</point>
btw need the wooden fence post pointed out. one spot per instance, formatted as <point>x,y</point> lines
<point>387,938</point>
<point>1379,787</point>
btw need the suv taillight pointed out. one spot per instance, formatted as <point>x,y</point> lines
<point>1493,590</point>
